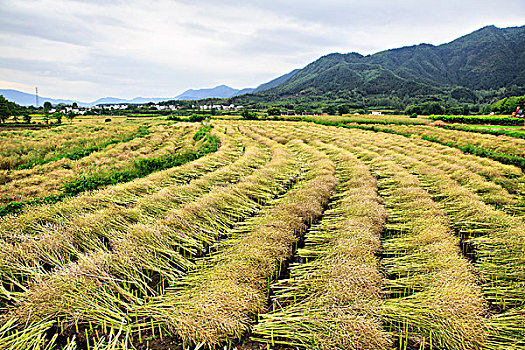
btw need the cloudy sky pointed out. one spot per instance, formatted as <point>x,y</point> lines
<point>82,49</point>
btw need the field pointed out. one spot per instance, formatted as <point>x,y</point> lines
<point>330,233</point>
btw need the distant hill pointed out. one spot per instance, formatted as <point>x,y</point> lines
<point>25,99</point>
<point>136,100</point>
<point>221,91</point>
<point>464,69</point>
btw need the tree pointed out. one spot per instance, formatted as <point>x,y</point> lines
<point>70,116</point>
<point>46,117</point>
<point>75,105</point>
<point>194,118</point>
<point>300,110</point>
<point>246,114</point>
<point>343,109</point>
<point>15,118</point>
<point>47,105</point>
<point>58,116</point>
<point>433,108</point>
<point>274,111</point>
<point>412,109</point>
<point>4,111</point>
<point>330,110</point>
<point>27,118</point>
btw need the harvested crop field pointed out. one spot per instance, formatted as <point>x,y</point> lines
<point>232,234</point>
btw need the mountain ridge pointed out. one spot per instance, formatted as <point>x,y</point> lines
<point>489,58</point>
<point>220,91</point>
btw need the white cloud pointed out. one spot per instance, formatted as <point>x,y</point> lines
<point>88,49</point>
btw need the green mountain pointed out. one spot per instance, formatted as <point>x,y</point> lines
<point>477,68</point>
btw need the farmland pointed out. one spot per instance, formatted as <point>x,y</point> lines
<point>331,233</point>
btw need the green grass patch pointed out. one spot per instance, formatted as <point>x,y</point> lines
<point>488,129</point>
<point>490,120</point>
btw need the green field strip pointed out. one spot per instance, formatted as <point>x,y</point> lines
<point>492,120</point>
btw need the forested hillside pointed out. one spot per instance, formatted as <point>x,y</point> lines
<point>476,69</point>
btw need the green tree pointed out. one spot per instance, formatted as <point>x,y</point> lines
<point>246,114</point>
<point>46,117</point>
<point>70,116</point>
<point>27,118</point>
<point>4,110</point>
<point>466,109</point>
<point>58,116</point>
<point>300,109</point>
<point>47,106</point>
<point>343,109</point>
<point>330,110</point>
<point>274,111</point>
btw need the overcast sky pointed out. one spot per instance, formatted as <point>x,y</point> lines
<point>81,49</point>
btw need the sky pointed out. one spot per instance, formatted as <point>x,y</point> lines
<point>87,49</point>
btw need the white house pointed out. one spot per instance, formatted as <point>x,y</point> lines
<point>375,113</point>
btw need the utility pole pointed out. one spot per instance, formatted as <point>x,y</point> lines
<point>36,96</point>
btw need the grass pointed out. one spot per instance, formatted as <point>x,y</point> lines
<point>491,120</point>
<point>78,153</point>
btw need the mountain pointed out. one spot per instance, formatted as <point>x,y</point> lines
<point>136,100</point>
<point>276,82</point>
<point>486,60</point>
<point>221,91</point>
<point>269,85</point>
<point>25,99</point>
